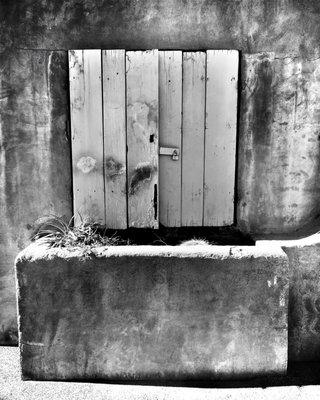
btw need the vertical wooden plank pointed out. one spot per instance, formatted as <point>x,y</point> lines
<point>142,138</point>
<point>193,107</point>
<point>114,116</point>
<point>170,107</point>
<point>87,135</point>
<point>220,139</point>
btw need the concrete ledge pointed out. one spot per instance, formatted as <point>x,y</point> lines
<point>304,298</point>
<point>148,312</point>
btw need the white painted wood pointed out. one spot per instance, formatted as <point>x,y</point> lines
<point>142,138</point>
<point>114,116</point>
<point>220,138</point>
<point>87,136</point>
<point>170,106</point>
<point>193,103</point>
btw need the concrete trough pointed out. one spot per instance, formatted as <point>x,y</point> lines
<point>152,312</point>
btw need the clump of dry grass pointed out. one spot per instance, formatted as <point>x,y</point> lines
<point>54,231</point>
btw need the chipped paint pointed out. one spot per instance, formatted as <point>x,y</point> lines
<point>113,168</point>
<point>144,118</point>
<point>86,164</point>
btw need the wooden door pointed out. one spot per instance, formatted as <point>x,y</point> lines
<point>154,137</point>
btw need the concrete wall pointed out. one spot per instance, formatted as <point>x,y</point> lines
<point>278,133</point>
<point>35,172</point>
<point>279,91</point>
<point>304,299</point>
<point>279,144</point>
<point>248,25</point>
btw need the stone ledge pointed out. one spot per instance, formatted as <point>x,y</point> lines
<point>152,312</point>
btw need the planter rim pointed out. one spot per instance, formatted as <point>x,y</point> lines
<point>36,251</point>
<point>306,241</point>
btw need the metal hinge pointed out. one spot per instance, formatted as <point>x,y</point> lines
<point>170,151</point>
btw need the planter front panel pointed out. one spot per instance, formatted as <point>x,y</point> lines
<point>152,313</point>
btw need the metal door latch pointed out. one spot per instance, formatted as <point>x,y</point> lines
<point>170,151</point>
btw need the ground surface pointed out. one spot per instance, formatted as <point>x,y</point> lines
<point>12,387</point>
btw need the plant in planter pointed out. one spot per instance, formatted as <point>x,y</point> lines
<point>57,233</point>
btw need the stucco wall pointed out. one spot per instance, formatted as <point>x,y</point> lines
<point>248,25</point>
<point>279,144</point>
<point>278,130</point>
<point>35,171</point>
<point>286,87</point>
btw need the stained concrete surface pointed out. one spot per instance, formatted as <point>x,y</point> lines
<point>279,144</point>
<point>304,296</point>
<point>35,171</point>
<point>13,388</point>
<point>284,26</point>
<point>152,312</point>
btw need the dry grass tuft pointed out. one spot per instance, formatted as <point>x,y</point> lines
<point>54,231</point>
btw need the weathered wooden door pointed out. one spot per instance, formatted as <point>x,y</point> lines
<point>154,137</point>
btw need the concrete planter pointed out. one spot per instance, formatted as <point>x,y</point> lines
<point>149,312</point>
